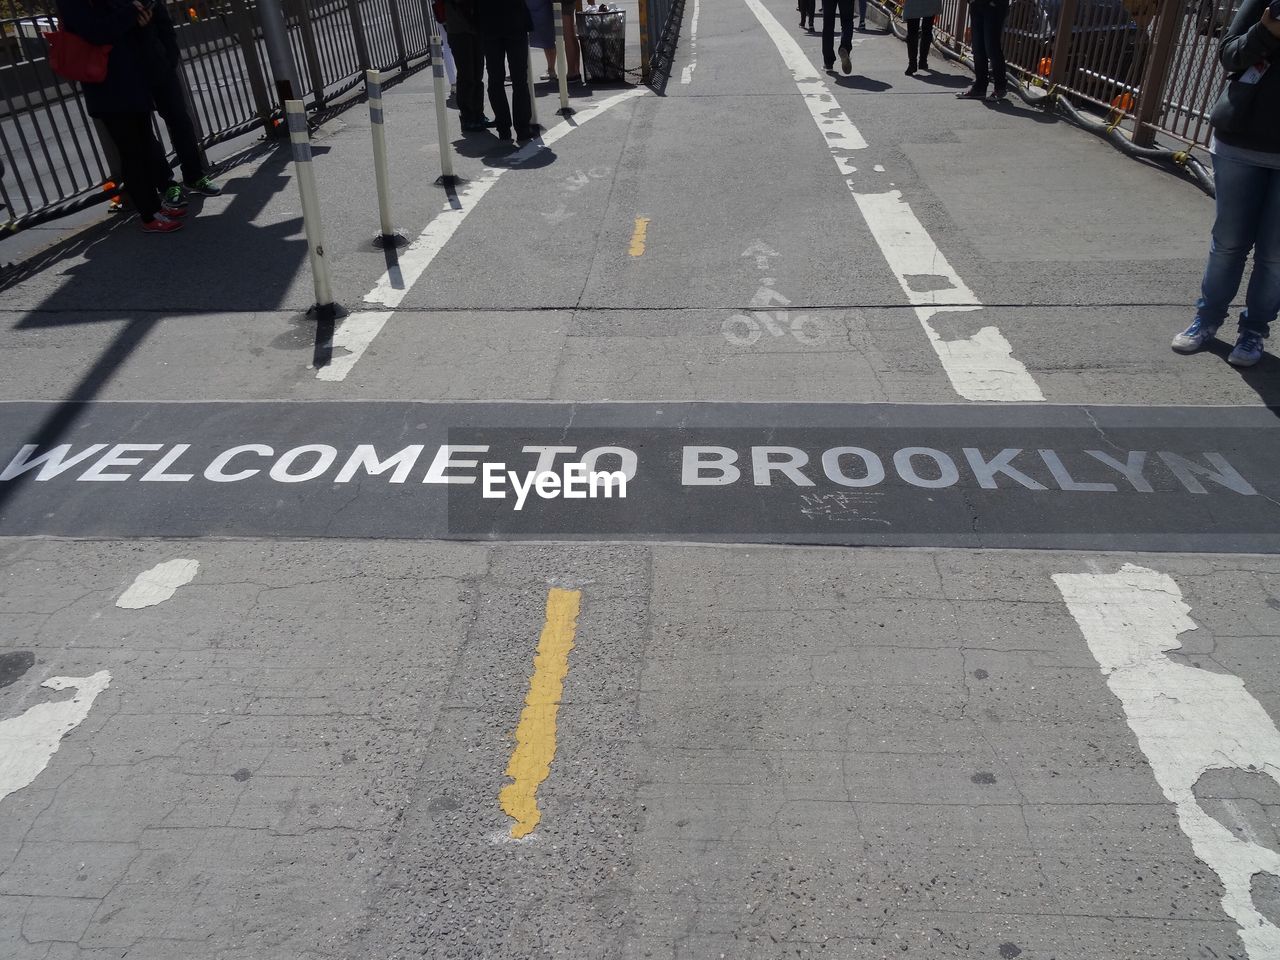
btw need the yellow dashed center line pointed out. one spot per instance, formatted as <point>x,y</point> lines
<point>530,763</point>
<point>638,237</point>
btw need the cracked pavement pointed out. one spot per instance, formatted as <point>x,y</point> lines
<point>894,747</point>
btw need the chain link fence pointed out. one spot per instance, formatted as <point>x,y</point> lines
<point>51,151</point>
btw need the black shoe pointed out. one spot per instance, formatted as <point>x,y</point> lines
<point>997,95</point>
<point>504,134</point>
<point>924,65</point>
<point>830,67</point>
<point>973,93</point>
<point>911,70</point>
<point>846,65</point>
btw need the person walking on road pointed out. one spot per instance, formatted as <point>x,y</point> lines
<point>808,9</point>
<point>986,21</point>
<point>468,55</point>
<point>123,101</point>
<point>1246,167</point>
<point>505,25</point>
<point>919,15</point>
<point>830,8</point>
<point>171,104</point>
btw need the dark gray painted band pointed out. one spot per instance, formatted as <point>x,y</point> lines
<point>1208,479</point>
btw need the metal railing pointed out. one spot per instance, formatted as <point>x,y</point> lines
<point>1147,67</point>
<point>659,32</point>
<point>53,157</point>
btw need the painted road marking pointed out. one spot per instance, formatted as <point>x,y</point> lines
<point>29,741</point>
<point>980,367</point>
<point>638,237</point>
<point>158,584</point>
<point>686,76</point>
<point>971,475</point>
<point>354,334</point>
<point>1188,721</point>
<point>530,763</point>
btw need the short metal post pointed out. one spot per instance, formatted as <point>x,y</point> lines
<point>300,138</point>
<point>562,59</point>
<point>533,97</point>
<point>447,177</point>
<point>388,237</point>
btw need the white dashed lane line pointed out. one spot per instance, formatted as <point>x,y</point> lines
<point>980,367</point>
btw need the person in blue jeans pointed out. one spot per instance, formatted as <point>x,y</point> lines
<point>986,24</point>
<point>1246,167</point>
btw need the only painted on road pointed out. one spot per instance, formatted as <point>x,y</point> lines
<point>1165,478</point>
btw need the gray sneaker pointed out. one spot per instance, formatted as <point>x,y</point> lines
<point>1248,349</point>
<point>1194,337</point>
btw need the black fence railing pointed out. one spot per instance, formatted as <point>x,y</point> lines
<point>52,152</point>
<point>659,33</point>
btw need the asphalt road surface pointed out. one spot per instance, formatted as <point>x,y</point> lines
<point>936,621</point>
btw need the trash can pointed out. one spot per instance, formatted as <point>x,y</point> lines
<point>603,39</point>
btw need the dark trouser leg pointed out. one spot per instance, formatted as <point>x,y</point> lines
<point>913,42</point>
<point>518,58</point>
<point>172,108</point>
<point>846,23</point>
<point>828,33</point>
<point>495,56</point>
<point>468,54</point>
<point>978,35</point>
<point>131,133</point>
<point>926,41</point>
<point>995,45</point>
<point>162,170</point>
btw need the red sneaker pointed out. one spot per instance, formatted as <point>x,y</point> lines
<point>172,212</point>
<point>161,224</point>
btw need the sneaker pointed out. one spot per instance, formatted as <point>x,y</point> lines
<point>161,224</point>
<point>174,197</point>
<point>205,187</point>
<point>1248,350</point>
<point>846,66</point>
<point>173,213</point>
<point>1194,337</point>
<point>973,93</point>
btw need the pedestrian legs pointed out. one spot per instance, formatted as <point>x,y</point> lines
<point>172,108</point>
<point>503,53</point>
<point>468,54</point>
<point>136,144</point>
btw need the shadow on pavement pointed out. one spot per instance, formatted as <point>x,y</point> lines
<point>858,82</point>
<point>1263,377</point>
<point>222,264</point>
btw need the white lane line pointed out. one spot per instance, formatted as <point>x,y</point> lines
<point>687,75</point>
<point>158,584</point>
<point>358,329</point>
<point>29,741</point>
<point>980,367</point>
<point>1187,721</point>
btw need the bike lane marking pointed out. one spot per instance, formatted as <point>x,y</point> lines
<point>535,735</point>
<point>1188,721</point>
<point>981,367</point>
<point>686,76</point>
<point>357,331</point>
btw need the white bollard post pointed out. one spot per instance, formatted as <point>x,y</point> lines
<point>300,139</point>
<point>447,177</point>
<point>373,87</point>
<point>562,59</point>
<point>533,99</point>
